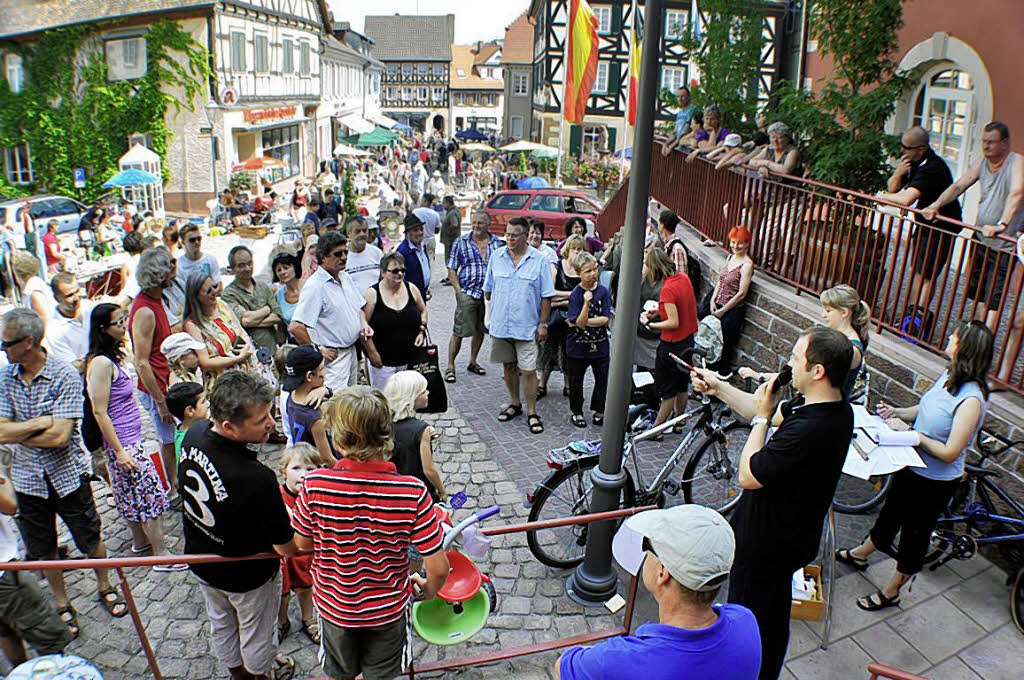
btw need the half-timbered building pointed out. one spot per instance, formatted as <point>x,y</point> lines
<point>477,88</point>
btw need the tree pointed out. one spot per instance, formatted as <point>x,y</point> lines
<point>842,125</point>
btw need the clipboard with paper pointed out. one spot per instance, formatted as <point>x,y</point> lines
<point>877,449</point>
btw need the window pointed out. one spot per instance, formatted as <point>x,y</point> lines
<point>287,55</point>
<point>18,165</point>
<point>509,201</point>
<point>438,70</point>
<point>460,72</point>
<point>459,99</point>
<point>675,24</point>
<point>260,48</point>
<point>304,58</point>
<point>422,69</point>
<point>520,84</point>
<point>392,93</point>
<point>672,78</point>
<point>64,206</point>
<point>517,127</point>
<point>437,93</point>
<point>601,81</point>
<point>406,70</point>
<point>407,94</point>
<point>15,73</point>
<point>392,70</point>
<point>944,108</point>
<point>282,143</point>
<point>548,203</point>
<point>237,51</point>
<point>604,19</point>
<point>126,58</point>
<point>421,94</point>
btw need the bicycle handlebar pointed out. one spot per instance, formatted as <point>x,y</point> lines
<point>987,450</point>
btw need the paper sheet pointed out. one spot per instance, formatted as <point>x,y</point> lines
<point>882,460</point>
<point>642,378</point>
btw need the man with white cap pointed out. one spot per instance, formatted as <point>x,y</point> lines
<point>686,554</point>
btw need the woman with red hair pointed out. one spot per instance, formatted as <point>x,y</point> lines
<point>726,300</point>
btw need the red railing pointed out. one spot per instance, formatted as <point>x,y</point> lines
<point>118,564</point>
<point>814,236</point>
<point>877,670</point>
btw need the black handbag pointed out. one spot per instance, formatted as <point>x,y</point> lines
<point>424,360</point>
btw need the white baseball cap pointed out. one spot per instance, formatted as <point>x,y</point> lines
<point>177,345</point>
<point>733,139</point>
<point>694,543</point>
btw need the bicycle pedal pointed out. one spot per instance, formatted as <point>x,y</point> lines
<point>670,487</point>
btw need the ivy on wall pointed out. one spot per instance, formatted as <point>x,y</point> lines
<point>73,117</point>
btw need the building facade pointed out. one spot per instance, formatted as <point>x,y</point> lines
<point>417,54</point>
<point>477,87</point>
<point>517,60</point>
<point>350,90</point>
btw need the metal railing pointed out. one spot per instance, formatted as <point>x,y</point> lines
<point>814,236</point>
<point>119,564</point>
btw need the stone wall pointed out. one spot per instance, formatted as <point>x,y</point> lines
<point>899,372</point>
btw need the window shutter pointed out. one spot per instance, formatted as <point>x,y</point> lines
<point>614,71</point>
<point>575,140</point>
<point>616,20</point>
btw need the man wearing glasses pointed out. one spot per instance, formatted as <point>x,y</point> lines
<point>920,177</point>
<point>330,314</point>
<point>193,259</point>
<point>67,331</point>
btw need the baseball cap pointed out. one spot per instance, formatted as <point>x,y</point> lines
<point>694,543</point>
<point>301,360</point>
<point>328,222</point>
<point>412,221</point>
<point>733,139</point>
<point>177,345</point>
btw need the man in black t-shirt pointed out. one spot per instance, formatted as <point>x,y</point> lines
<point>233,507</point>
<point>920,177</point>
<point>788,482</point>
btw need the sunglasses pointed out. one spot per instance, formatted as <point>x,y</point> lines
<point>7,344</point>
<point>210,291</point>
<point>120,322</point>
<point>197,239</point>
<point>339,254</point>
<point>400,270</point>
<point>911,148</point>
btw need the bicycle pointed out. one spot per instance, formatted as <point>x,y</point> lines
<point>978,503</point>
<point>710,476</point>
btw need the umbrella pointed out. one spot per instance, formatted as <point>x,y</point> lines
<point>476,146</point>
<point>471,133</point>
<point>379,137</point>
<point>628,151</point>
<point>545,153</point>
<point>258,163</point>
<point>346,150</point>
<point>533,182</point>
<point>523,145</point>
<point>402,127</point>
<point>131,178</point>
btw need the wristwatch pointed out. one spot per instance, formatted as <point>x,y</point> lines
<point>758,420</point>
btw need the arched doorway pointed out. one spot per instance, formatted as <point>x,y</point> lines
<point>438,123</point>
<point>944,106</point>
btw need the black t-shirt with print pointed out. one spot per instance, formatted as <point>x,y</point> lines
<point>232,507</point>
<point>779,525</point>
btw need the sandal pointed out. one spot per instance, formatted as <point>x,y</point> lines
<point>578,420</point>
<point>868,604</point>
<point>284,668</point>
<point>71,620</point>
<point>509,412</point>
<point>476,368</point>
<point>535,424</point>
<point>312,630</point>
<point>598,419</point>
<point>449,375</point>
<point>113,606</point>
<point>542,391</point>
<point>844,556</point>
<point>283,628</point>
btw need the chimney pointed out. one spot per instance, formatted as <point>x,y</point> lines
<point>479,46</point>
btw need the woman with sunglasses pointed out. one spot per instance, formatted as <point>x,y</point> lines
<point>138,491</point>
<point>398,316</point>
<point>946,420</point>
<point>209,320</point>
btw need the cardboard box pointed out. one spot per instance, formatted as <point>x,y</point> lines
<point>810,610</point>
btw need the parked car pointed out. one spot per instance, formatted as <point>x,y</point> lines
<point>42,209</point>
<point>551,206</point>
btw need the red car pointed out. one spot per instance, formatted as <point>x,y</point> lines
<point>551,206</point>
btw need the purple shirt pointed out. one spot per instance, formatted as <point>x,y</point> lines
<point>703,136</point>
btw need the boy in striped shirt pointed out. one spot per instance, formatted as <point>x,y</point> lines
<point>360,518</point>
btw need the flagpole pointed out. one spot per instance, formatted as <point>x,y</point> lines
<point>629,88</point>
<point>561,112</point>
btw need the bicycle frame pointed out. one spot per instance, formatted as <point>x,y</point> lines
<point>980,487</point>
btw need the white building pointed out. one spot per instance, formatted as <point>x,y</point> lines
<point>477,87</point>
<point>350,94</point>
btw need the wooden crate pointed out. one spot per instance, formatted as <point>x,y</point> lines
<point>810,610</point>
<point>252,231</point>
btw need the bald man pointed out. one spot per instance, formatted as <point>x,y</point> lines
<point>920,177</point>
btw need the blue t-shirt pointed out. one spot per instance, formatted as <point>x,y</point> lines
<point>301,419</point>
<point>590,342</point>
<point>935,419</point>
<point>729,649</point>
<point>683,118</point>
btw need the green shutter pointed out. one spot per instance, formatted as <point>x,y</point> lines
<point>575,140</point>
<point>612,131</point>
<point>614,72</point>
<point>616,19</point>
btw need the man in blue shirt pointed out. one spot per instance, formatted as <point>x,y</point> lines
<point>685,553</point>
<point>683,117</point>
<point>417,264</point>
<point>519,287</point>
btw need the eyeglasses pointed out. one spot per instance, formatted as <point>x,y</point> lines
<point>75,294</point>
<point>210,291</point>
<point>7,344</point>
<point>911,148</point>
<point>338,254</point>
<point>120,322</point>
<point>196,239</point>
<point>396,271</point>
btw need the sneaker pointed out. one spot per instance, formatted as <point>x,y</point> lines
<point>170,567</point>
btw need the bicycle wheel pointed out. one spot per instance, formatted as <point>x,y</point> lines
<point>855,495</point>
<point>568,495</point>
<point>712,474</point>
<point>1017,600</point>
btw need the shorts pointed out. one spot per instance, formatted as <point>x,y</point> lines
<point>989,269</point>
<point>521,352</point>
<point>296,573</point>
<point>669,379</point>
<point>164,430</point>
<point>37,520</point>
<point>469,316</point>
<point>243,626</point>
<point>26,613</point>
<point>375,652</point>
<point>931,250</point>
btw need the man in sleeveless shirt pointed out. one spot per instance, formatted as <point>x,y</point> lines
<point>1001,173</point>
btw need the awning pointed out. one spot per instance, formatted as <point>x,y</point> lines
<point>383,121</point>
<point>356,124</point>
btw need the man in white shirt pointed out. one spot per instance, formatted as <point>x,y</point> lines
<point>431,224</point>
<point>330,313</point>
<point>436,185</point>
<point>67,331</point>
<point>363,257</point>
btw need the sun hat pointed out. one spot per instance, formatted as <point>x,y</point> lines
<point>300,361</point>
<point>177,345</point>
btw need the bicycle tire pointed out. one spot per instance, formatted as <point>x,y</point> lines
<point>855,496</point>
<point>701,485</point>
<point>571,488</point>
<point>1017,600</point>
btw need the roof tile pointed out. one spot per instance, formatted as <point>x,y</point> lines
<point>518,47</point>
<point>411,38</point>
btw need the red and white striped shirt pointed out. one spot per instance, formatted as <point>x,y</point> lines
<point>362,517</point>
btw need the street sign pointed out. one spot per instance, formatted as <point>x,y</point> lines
<point>79,178</point>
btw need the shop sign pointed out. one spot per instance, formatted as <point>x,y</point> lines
<point>256,115</point>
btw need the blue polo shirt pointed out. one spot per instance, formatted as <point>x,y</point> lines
<point>728,649</point>
<point>516,292</point>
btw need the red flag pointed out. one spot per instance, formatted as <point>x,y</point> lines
<point>581,60</point>
<point>635,50</point>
